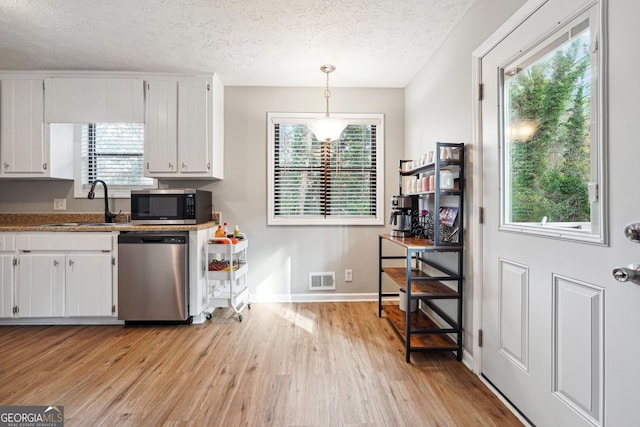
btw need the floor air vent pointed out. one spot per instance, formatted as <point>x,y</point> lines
<point>322,281</point>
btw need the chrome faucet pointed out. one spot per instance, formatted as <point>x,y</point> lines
<point>108,215</point>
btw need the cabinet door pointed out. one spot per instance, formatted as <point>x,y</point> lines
<point>22,142</point>
<point>7,275</point>
<point>194,126</point>
<point>161,127</point>
<point>217,128</point>
<point>94,100</point>
<point>41,285</point>
<point>89,280</point>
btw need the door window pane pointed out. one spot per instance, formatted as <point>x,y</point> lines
<point>549,164</point>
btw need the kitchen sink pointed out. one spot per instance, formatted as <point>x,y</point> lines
<point>86,224</point>
<point>104,224</point>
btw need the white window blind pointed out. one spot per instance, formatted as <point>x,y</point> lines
<point>114,153</point>
<point>325,183</point>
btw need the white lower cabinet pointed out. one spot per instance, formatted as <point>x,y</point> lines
<point>8,262</point>
<point>64,275</point>
<point>89,285</point>
<point>7,274</point>
<point>40,288</point>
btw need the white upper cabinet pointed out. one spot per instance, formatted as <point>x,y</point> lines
<point>22,142</point>
<point>161,127</point>
<point>183,117</point>
<point>184,128</point>
<point>194,107</point>
<point>216,130</point>
<point>25,148</point>
<point>94,100</point>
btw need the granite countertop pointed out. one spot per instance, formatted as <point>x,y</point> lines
<point>78,222</point>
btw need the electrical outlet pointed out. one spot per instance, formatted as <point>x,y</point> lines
<point>348,275</point>
<point>59,204</point>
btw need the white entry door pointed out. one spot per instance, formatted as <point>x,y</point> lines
<point>560,335</point>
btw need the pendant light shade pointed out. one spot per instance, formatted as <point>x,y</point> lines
<point>327,129</point>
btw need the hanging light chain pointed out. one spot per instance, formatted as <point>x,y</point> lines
<point>327,69</point>
<point>327,93</point>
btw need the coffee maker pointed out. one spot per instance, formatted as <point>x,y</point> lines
<point>404,211</point>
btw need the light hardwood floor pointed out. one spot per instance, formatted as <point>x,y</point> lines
<point>324,364</point>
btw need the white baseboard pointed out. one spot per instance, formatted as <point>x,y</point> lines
<point>22,321</point>
<point>315,297</point>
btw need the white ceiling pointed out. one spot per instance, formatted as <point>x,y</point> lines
<point>372,43</point>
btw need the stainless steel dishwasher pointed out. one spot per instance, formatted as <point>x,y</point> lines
<point>153,276</point>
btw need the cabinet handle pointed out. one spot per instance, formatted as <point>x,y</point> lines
<point>184,166</point>
<point>71,262</point>
<point>208,165</point>
<point>44,166</point>
<point>6,165</point>
<point>55,263</point>
<point>170,165</point>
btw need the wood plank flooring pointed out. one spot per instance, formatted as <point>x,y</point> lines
<point>303,364</point>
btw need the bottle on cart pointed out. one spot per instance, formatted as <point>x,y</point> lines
<point>226,230</point>
<point>220,232</point>
<point>236,232</point>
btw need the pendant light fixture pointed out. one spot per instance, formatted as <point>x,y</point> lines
<point>327,129</point>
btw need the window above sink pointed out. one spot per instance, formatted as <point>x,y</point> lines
<point>112,152</point>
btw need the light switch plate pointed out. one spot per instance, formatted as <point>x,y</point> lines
<point>59,204</point>
<point>348,275</point>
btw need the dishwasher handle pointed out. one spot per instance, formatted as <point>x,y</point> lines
<point>152,240</point>
<point>160,238</point>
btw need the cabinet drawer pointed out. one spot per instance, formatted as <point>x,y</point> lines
<point>7,242</point>
<point>65,242</point>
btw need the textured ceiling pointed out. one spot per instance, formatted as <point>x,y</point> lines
<point>373,43</point>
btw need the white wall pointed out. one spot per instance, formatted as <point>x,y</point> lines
<point>438,104</point>
<point>281,257</point>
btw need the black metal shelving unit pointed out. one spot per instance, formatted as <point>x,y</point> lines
<point>426,276</point>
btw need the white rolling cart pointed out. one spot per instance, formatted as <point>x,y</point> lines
<point>227,268</point>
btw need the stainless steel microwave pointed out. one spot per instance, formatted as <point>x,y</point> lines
<point>173,206</point>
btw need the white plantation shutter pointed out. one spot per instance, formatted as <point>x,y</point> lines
<point>114,153</point>
<point>325,183</point>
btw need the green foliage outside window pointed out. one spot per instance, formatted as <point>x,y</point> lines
<point>320,179</point>
<point>550,172</point>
